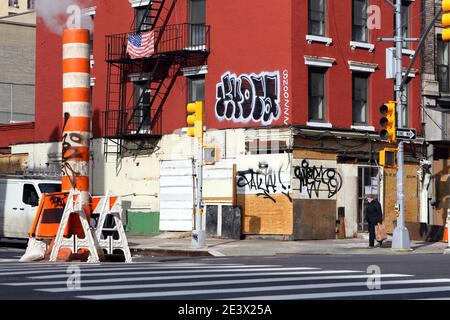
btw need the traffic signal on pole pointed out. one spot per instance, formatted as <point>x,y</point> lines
<point>195,119</point>
<point>388,157</point>
<point>446,20</point>
<point>387,122</point>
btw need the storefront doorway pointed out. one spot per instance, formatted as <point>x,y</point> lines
<point>369,182</point>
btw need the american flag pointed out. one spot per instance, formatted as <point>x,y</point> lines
<point>141,45</point>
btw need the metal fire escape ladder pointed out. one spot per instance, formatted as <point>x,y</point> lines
<point>140,111</point>
<point>114,99</point>
<point>152,14</point>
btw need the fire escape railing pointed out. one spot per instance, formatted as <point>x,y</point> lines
<point>177,38</point>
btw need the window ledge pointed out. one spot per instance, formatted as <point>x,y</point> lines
<point>139,3</point>
<point>362,45</point>
<point>319,61</point>
<point>363,128</point>
<point>319,124</point>
<point>312,38</point>
<point>409,52</point>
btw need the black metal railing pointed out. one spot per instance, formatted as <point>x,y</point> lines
<point>181,38</point>
<point>125,124</point>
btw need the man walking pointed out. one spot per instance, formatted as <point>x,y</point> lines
<point>374,215</point>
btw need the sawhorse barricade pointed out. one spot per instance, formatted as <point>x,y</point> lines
<point>74,206</point>
<point>95,240</point>
<point>111,206</point>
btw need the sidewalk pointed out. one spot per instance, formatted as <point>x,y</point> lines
<point>179,244</point>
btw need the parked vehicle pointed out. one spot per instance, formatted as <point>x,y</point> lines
<point>19,200</point>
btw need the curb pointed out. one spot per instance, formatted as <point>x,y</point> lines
<point>159,252</point>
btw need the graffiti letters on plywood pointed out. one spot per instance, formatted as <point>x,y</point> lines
<point>315,179</point>
<point>249,98</point>
<point>265,182</point>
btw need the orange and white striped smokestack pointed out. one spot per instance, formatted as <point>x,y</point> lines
<point>76,104</point>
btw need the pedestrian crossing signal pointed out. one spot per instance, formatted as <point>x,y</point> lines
<point>388,157</point>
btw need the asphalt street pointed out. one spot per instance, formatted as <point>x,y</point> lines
<point>282,277</point>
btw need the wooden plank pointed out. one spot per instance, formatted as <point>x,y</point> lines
<point>411,190</point>
<point>313,155</point>
<point>263,216</point>
<point>13,163</point>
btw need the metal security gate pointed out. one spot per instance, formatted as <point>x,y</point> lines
<point>176,195</point>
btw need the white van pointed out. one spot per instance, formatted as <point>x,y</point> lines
<point>19,200</point>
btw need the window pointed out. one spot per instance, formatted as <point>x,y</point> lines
<point>142,23</point>
<point>360,109</point>
<point>360,32</point>
<point>142,107</point>
<point>316,17</point>
<point>30,4</point>
<point>443,65</point>
<point>316,94</point>
<point>49,187</point>
<point>197,22</point>
<point>405,23</point>
<point>196,88</point>
<point>13,3</point>
<point>30,195</point>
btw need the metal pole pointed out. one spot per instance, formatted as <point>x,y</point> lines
<point>11,105</point>
<point>198,236</point>
<point>400,238</point>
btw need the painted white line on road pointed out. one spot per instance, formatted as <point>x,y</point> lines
<point>106,274</point>
<point>87,271</point>
<point>193,284</point>
<point>206,276</point>
<point>254,289</point>
<point>346,294</point>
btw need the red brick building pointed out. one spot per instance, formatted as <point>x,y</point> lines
<point>300,80</point>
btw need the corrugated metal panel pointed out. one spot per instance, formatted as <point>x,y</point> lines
<point>176,195</point>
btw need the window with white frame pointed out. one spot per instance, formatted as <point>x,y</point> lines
<point>360,31</point>
<point>316,17</point>
<point>360,98</point>
<point>316,94</point>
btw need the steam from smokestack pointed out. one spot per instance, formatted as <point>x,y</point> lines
<point>55,16</point>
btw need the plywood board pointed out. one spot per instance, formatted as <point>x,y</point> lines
<point>411,195</point>
<point>314,219</point>
<point>13,163</point>
<point>314,155</point>
<point>264,216</point>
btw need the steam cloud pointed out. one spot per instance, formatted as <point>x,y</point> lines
<point>54,13</point>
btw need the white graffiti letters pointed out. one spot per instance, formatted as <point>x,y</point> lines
<point>248,98</point>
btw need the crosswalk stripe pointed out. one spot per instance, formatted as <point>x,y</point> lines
<point>253,289</point>
<point>207,276</point>
<point>190,284</point>
<point>105,274</point>
<point>346,294</point>
<point>84,270</point>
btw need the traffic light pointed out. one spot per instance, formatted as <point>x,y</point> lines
<point>387,122</point>
<point>446,20</point>
<point>195,119</point>
<point>388,157</point>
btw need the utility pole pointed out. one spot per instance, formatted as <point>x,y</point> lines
<point>400,240</point>
<point>195,129</point>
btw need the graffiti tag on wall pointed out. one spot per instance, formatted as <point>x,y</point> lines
<point>249,98</point>
<point>265,182</point>
<point>316,179</point>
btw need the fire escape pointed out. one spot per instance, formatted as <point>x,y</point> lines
<point>137,89</point>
